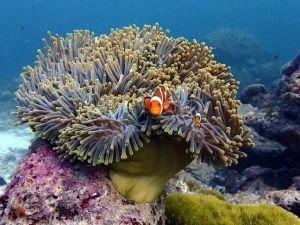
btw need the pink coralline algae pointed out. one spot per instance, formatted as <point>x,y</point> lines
<point>45,190</point>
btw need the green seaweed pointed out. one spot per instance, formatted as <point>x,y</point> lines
<point>201,209</point>
<point>212,192</point>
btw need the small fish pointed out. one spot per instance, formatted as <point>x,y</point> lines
<point>20,27</point>
<point>257,79</point>
<point>159,102</point>
<point>197,119</point>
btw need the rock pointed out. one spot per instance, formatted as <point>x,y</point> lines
<point>252,180</point>
<point>194,176</point>
<point>285,132</point>
<point>256,95</point>
<point>264,148</point>
<point>201,172</point>
<point>296,184</point>
<point>288,90</point>
<point>243,198</point>
<point>45,190</point>
<point>289,68</point>
<point>259,179</point>
<point>287,199</point>
<point>275,131</point>
<point>232,183</point>
<point>277,115</point>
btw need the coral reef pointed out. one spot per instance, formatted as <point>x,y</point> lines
<point>254,185</point>
<point>287,199</point>
<point>288,89</point>
<point>199,209</point>
<point>256,94</point>
<point>279,119</point>
<point>286,133</point>
<point>272,122</point>
<point>271,173</point>
<point>275,120</point>
<point>45,190</point>
<point>266,178</point>
<point>202,172</point>
<point>85,95</point>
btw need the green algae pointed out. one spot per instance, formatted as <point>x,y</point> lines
<point>201,209</point>
<point>212,192</point>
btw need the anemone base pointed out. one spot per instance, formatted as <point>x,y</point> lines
<point>142,176</point>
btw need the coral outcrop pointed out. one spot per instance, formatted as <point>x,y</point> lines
<point>256,94</point>
<point>277,114</point>
<point>85,96</point>
<point>289,88</point>
<point>45,190</point>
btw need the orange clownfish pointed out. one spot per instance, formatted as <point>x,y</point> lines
<point>159,102</point>
<point>197,119</point>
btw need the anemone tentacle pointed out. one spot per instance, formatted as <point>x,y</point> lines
<point>85,95</point>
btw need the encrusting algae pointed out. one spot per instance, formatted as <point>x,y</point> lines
<point>210,209</point>
<point>87,94</point>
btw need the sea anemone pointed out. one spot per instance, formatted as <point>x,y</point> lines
<point>86,97</point>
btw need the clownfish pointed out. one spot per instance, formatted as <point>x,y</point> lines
<point>159,102</point>
<point>197,119</point>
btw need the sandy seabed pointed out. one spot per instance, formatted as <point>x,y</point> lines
<point>14,143</point>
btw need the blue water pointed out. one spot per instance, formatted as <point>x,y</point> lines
<point>275,23</point>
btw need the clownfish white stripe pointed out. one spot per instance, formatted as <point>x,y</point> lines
<point>155,98</point>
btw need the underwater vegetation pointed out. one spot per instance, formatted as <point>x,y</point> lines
<point>85,95</point>
<point>197,209</point>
